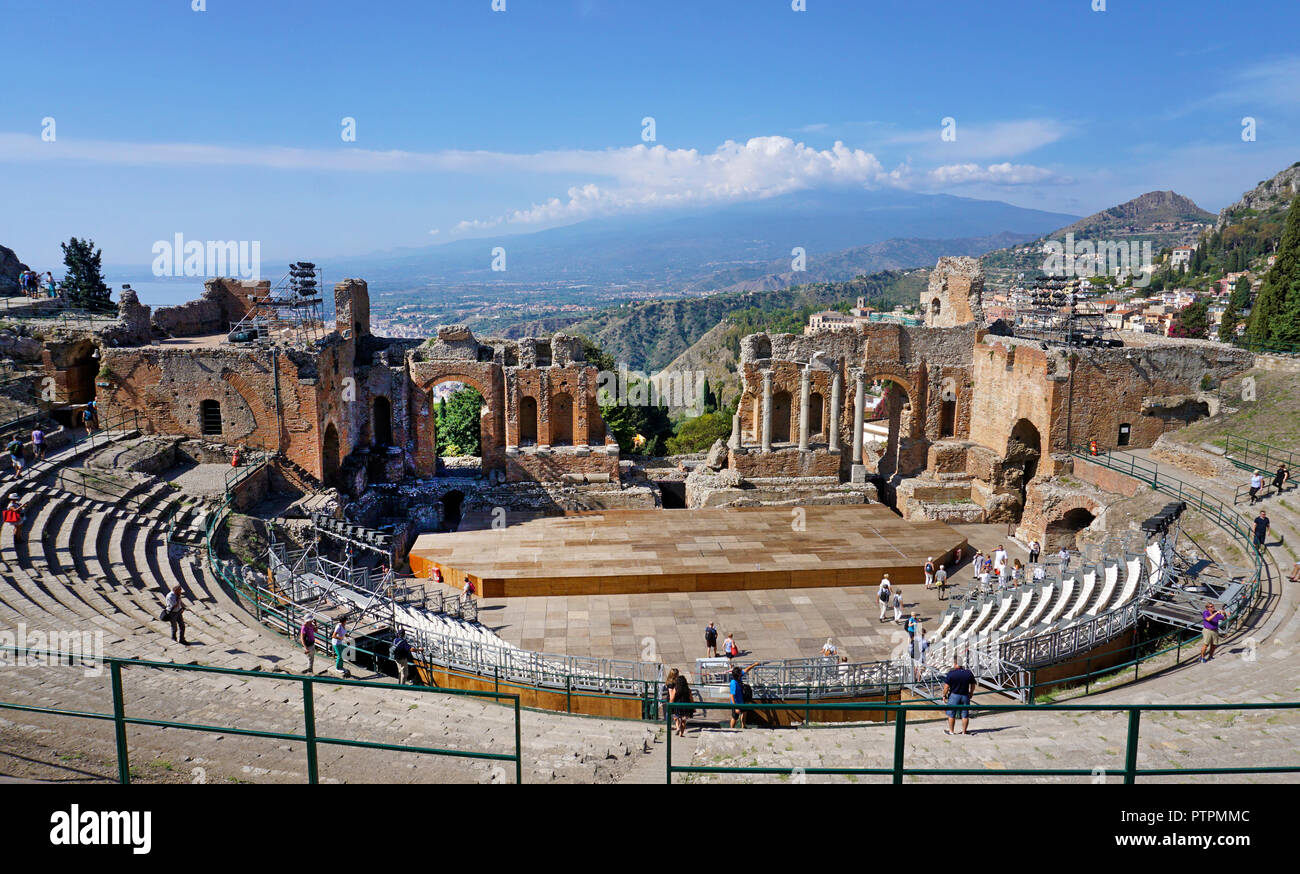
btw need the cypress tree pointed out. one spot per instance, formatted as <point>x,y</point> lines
<point>1275,317</point>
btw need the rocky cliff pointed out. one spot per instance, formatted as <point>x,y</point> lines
<point>10,267</point>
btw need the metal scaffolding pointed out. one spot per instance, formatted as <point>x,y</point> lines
<point>293,314</point>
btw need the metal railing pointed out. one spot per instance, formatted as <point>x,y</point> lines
<point>1256,456</point>
<point>1213,508</point>
<point>1275,347</point>
<point>899,769</point>
<point>309,737</point>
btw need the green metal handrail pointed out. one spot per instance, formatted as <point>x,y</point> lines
<point>1240,451</point>
<point>309,736</point>
<point>1215,509</point>
<point>899,769</point>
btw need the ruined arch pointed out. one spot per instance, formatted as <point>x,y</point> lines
<point>528,421</point>
<point>781,409</point>
<point>488,381</point>
<point>562,419</point>
<point>1024,451</point>
<point>901,415</point>
<point>329,453</point>
<point>1062,529</point>
<point>382,417</point>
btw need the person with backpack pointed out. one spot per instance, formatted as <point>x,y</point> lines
<point>897,602</point>
<point>90,417</point>
<point>883,595</point>
<point>679,692</point>
<point>1035,550</point>
<point>941,582</point>
<point>741,693</point>
<point>711,640</point>
<point>174,613</point>
<point>307,637</point>
<point>15,450</point>
<point>929,572</point>
<point>401,653</point>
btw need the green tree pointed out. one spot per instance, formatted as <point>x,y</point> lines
<point>1228,327</point>
<point>458,423</point>
<point>1240,298</point>
<point>698,433</point>
<point>83,280</point>
<point>1275,317</point>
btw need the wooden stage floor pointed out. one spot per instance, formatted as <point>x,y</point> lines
<point>628,552</point>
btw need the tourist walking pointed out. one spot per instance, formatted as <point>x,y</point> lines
<point>828,648</point>
<point>1211,616</point>
<point>999,561</point>
<point>1035,550</point>
<point>1261,528</point>
<point>1295,572</point>
<point>402,656</point>
<point>1064,556</point>
<point>49,285</point>
<point>917,649</point>
<point>711,640</point>
<point>679,692</point>
<point>13,515</point>
<point>15,450</point>
<point>1280,478</point>
<point>911,626</point>
<point>38,444</point>
<point>729,648</point>
<point>929,572</point>
<point>1256,483</point>
<point>307,637</point>
<point>977,564</point>
<point>339,639</point>
<point>90,417</point>
<point>174,612</point>
<point>1017,572</point>
<point>897,603</point>
<point>957,687</point>
<point>883,595</point>
<point>941,581</point>
<point>741,693</point>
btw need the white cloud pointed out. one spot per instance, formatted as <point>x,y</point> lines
<point>1004,139</point>
<point>994,174</point>
<point>639,177</point>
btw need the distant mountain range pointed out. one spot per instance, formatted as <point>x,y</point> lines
<point>732,246</point>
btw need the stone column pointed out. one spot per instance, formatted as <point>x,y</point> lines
<point>837,388</point>
<point>736,441</point>
<point>805,389</point>
<point>859,413</point>
<point>767,411</point>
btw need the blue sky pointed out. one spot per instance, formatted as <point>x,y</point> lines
<point>225,124</point>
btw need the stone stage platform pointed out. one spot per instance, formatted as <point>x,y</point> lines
<point>636,552</point>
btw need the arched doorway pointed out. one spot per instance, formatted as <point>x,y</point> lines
<point>1024,449</point>
<point>458,413</point>
<point>815,404</point>
<point>947,418</point>
<point>888,422</point>
<point>330,454</point>
<point>781,417</point>
<point>383,422</point>
<point>936,306</point>
<point>1064,532</point>
<point>562,420</point>
<point>210,418</point>
<point>528,421</point>
<point>451,504</point>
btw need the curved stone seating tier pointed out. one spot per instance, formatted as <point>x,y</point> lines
<point>1027,597</point>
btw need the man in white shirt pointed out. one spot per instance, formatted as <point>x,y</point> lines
<point>884,594</point>
<point>1000,560</point>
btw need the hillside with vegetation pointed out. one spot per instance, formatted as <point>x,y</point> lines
<point>650,335</point>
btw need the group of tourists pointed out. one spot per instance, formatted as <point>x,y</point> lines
<point>30,283</point>
<point>1280,479</point>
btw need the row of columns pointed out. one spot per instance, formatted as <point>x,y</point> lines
<point>805,391</point>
